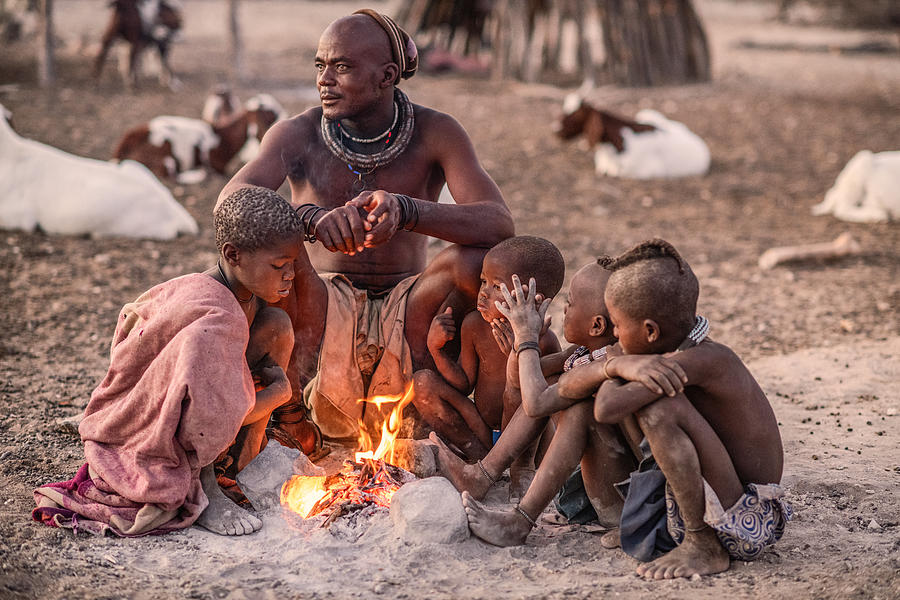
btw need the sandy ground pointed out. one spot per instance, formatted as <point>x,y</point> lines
<point>823,338</point>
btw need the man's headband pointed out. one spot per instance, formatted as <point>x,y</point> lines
<point>403,49</point>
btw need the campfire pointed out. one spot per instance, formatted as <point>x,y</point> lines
<point>369,480</point>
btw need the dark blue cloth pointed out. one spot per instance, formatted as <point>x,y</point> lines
<point>572,500</point>
<point>643,527</point>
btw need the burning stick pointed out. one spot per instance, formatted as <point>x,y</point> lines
<point>843,245</point>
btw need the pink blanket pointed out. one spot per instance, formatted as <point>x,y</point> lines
<point>177,390</point>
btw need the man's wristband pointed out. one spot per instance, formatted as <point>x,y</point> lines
<point>307,213</point>
<point>409,212</point>
<point>528,346</point>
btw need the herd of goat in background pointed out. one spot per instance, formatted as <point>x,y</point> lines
<point>126,196</point>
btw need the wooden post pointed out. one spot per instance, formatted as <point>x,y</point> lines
<point>46,66</point>
<point>236,44</point>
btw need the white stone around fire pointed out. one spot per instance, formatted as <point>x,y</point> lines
<point>304,466</point>
<point>416,456</point>
<point>429,511</point>
<point>262,478</point>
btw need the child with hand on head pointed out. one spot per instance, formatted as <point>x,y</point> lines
<point>709,425</point>
<point>600,449</point>
<point>180,386</point>
<point>442,396</point>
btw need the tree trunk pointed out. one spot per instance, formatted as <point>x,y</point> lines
<point>653,42</point>
<point>46,66</point>
<point>236,44</point>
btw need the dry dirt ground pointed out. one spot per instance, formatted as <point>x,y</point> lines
<point>822,337</point>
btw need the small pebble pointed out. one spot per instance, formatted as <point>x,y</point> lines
<point>695,577</point>
<point>873,526</point>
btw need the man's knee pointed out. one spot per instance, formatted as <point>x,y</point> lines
<point>463,264</point>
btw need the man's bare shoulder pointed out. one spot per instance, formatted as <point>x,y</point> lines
<point>302,125</point>
<point>435,122</point>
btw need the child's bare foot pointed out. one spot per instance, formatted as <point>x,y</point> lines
<point>611,539</point>
<point>699,554</point>
<point>465,478</point>
<point>519,479</point>
<point>223,516</point>
<point>507,528</point>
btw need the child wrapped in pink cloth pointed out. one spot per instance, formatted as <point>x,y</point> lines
<point>193,361</point>
<point>176,393</point>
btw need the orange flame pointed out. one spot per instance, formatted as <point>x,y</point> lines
<point>389,428</point>
<point>302,494</point>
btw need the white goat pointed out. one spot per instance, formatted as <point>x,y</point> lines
<point>867,190</point>
<point>670,150</point>
<point>649,147</point>
<point>42,186</point>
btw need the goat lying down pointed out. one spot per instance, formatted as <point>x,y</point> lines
<point>183,148</point>
<point>42,186</point>
<point>867,190</point>
<point>222,104</point>
<point>649,147</point>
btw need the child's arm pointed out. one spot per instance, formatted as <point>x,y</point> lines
<point>442,330</point>
<point>642,379</point>
<point>658,373</point>
<point>527,322</point>
<point>275,390</point>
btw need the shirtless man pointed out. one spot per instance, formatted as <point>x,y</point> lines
<point>365,170</point>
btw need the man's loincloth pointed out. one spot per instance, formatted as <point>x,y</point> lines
<point>755,521</point>
<point>364,353</point>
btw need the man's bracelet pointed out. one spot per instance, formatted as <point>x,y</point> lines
<point>307,213</point>
<point>409,212</point>
<point>527,346</point>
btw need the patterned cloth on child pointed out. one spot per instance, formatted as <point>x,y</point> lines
<point>755,521</point>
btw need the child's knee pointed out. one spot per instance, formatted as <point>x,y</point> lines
<point>423,384</point>
<point>271,332</point>
<point>580,414</point>
<point>662,412</point>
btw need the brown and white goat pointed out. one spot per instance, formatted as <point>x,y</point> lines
<point>651,146</point>
<point>598,126</point>
<point>142,23</point>
<point>184,148</point>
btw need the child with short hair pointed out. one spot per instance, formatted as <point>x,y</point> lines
<point>180,385</point>
<point>713,433</point>
<point>601,450</point>
<point>442,396</point>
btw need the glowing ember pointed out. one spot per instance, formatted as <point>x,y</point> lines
<point>369,480</point>
<point>300,494</point>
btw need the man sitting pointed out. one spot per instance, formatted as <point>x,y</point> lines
<point>365,170</point>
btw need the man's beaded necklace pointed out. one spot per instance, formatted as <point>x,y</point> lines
<point>360,164</point>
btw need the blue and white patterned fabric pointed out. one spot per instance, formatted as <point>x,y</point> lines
<point>755,521</point>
